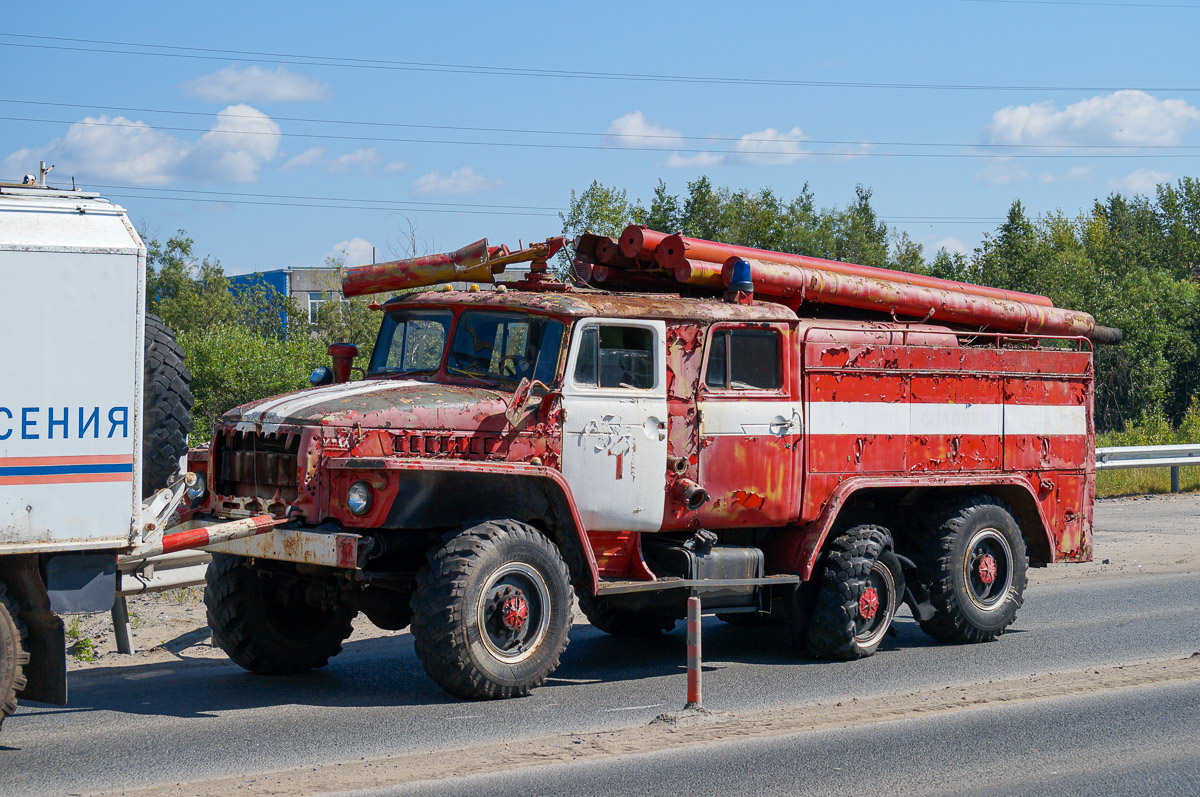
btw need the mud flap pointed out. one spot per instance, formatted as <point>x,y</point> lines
<point>46,672</point>
<point>904,570</point>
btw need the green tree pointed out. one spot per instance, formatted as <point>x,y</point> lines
<point>347,320</point>
<point>860,236</point>
<point>600,209</point>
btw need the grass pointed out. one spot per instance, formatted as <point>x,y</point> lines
<point>1152,430</point>
<point>1144,481</point>
<point>74,630</point>
<point>184,595</point>
<point>83,650</point>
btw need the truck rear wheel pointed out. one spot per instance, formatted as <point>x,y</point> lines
<point>975,567</point>
<point>601,613</point>
<point>264,622</point>
<point>857,597</point>
<point>492,610</point>
<point>13,655</point>
<point>166,407</point>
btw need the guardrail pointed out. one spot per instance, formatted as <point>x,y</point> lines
<point>1173,457</point>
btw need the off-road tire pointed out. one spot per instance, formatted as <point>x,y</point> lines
<point>452,622</point>
<point>166,407</point>
<point>13,655</point>
<point>615,621</point>
<point>850,565</point>
<point>262,622</point>
<point>943,564</point>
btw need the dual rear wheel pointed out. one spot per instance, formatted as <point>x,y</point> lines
<point>972,562</point>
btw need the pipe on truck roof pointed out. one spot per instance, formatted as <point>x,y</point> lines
<point>793,284</point>
<point>671,251</point>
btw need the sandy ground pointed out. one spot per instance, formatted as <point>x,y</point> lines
<point>1134,536</point>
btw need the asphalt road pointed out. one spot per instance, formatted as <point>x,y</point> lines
<point>154,723</point>
<point>1135,742</point>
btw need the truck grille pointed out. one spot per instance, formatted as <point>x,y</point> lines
<point>250,464</point>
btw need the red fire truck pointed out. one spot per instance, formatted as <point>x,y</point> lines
<point>795,441</point>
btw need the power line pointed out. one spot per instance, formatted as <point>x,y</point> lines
<point>349,203</point>
<point>329,206</point>
<point>323,198</point>
<point>791,153</point>
<point>637,136</point>
<point>293,59</point>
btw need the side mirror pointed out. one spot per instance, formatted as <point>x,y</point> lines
<point>343,355</point>
<point>321,375</point>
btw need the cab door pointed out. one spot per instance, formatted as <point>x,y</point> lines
<point>750,426</point>
<point>614,453</point>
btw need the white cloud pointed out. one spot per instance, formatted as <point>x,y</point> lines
<point>459,181</point>
<point>1143,181</point>
<point>395,166</point>
<point>1124,117</point>
<point>770,147</point>
<point>309,157</point>
<point>847,152</point>
<point>950,245</point>
<point>256,84</point>
<point>1073,174</point>
<point>634,130</point>
<point>700,160</point>
<point>1001,172</point>
<point>355,252</point>
<point>103,147</point>
<point>237,145</point>
<point>362,159</point>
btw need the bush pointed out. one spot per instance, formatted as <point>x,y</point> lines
<point>232,364</point>
<point>1152,430</point>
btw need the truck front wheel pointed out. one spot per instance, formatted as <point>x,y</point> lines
<point>13,655</point>
<point>264,622</point>
<point>492,610</point>
<point>857,596</point>
<point>975,567</point>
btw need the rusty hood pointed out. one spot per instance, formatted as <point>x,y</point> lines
<point>379,404</point>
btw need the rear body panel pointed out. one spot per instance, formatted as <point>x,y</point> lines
<point>70,397</point>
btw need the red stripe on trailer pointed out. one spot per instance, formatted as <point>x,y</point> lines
<point>68,478</point>
<point>98,459</point>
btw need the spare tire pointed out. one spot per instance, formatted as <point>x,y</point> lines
<point>166,406</point>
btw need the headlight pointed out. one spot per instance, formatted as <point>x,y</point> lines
<point>198,489</point>
<point>358,498</point>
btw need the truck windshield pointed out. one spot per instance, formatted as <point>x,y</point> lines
<point>411,341</point>
<point>505,345</point>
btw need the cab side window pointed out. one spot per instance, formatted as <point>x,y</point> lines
<point>743,359</point>
<point>616,356</point>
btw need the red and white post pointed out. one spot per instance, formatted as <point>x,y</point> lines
<point>693,654</point>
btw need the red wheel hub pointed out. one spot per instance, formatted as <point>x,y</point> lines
<point>868,603</point>
<point>987,568</point>
<point>514,612</point>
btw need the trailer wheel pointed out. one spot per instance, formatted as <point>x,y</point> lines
<point>615,621</point>
<point>492,610</point>
<point>263,621</point>
<point>166,407</point>
<point>975,567</point>
<point>13,655</point>
<point>857,597</point>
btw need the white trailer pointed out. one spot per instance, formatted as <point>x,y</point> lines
<point>78,356</point>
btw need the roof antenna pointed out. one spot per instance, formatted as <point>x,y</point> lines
<point>44,170</point>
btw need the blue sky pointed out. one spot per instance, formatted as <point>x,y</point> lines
<point>832,94</point>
